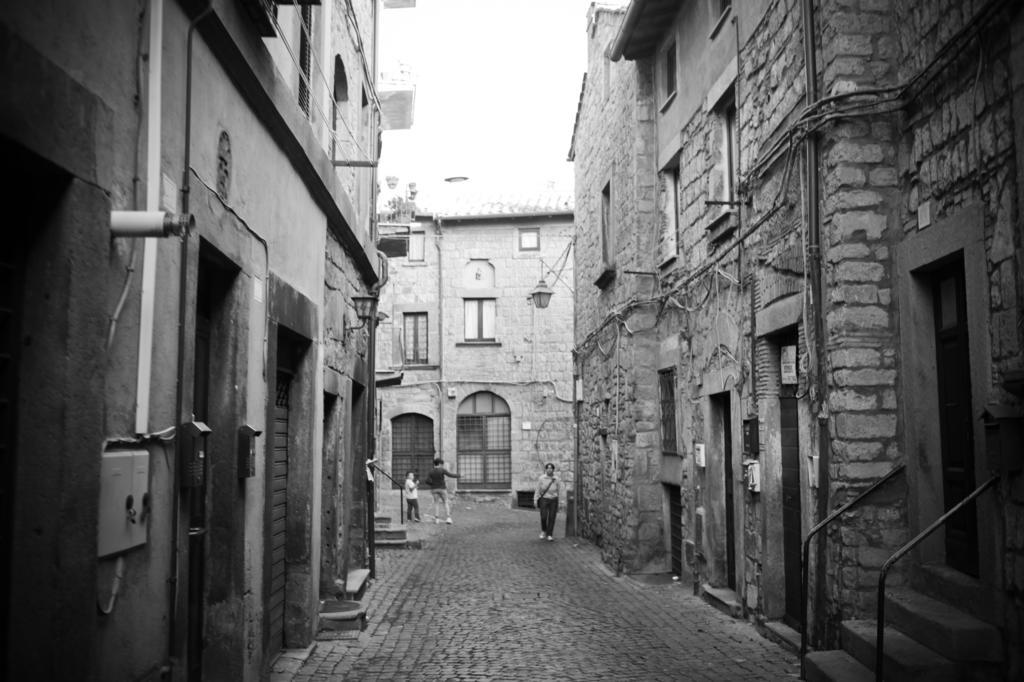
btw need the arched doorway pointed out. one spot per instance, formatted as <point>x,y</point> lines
<point>412,446</point>
<point>483,443</point>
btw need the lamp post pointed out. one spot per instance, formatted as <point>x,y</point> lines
<point>366,311</point>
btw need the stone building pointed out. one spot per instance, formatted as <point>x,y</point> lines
<point>184,382</point>
<point>486,376</point>
<point>799,274</point>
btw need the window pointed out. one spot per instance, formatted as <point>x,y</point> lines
<point>724,174</point>
<point>606,74</point>
<point>719,12</point>
<point>529,239</point>
<point>607,234</point>
<point>668,214</point>
<point>415,339</point>
<point>416,245</point>
<point>729,151</point>
<point>480,319</point>
<point>305,55</point>
<point>607,273</point>
<point>340,95</point>
<point>667,386</point>
<point>668,69</point>
<point>483,442</point>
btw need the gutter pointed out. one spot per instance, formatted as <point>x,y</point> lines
<point>633,13</point>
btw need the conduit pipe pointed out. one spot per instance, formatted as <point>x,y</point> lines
<point>182,301</point>
<point>149,247</point>
<point>814,258</point>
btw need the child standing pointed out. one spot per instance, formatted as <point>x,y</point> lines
<point>412,496</point>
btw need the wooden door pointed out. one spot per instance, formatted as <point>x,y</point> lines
<point>279,510</point>
<point>791,536</point>
<point>955,423</point>
<point>675,526</point>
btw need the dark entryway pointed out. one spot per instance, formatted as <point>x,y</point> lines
<point>791,536</point>
<point>952,360</point>
<point>32,184</point>
<point>675,527</point>
<point>722,409</point>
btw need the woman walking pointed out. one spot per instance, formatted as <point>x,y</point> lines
<point>545,498</point>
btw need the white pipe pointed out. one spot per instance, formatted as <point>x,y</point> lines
<point>149,252</point>
<point>148,223</point>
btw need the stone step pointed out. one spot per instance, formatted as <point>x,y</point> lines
<point>336,614</point>
<point>355,584</point>
<point>906,660</point>
<point>381,534</point>
<point>723,599</point>
<point>942,627</point>
<point>835,666</point>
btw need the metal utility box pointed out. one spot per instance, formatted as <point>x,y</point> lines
<point>124,505</point>
<point>1004,438</point>
<point>247,451</point>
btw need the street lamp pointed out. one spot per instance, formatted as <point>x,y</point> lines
<point>541,294</point>
<point>366,307</point>
<point>366,311</point>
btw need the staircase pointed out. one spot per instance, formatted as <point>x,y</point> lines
<point>926,640</point>
<point>388,536</point>
<point>346,612</point>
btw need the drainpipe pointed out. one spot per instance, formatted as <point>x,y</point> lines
<point>440,341</point>
<point>814,258</point>
<point>182,301</point>
<point>149,245</point>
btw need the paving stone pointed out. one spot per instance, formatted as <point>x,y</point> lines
<point>485,599</point>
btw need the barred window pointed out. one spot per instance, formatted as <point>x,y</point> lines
<point>667,387</point>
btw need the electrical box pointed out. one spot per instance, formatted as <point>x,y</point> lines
<point>124,506</point>
<point>247,451</point>
<point>787,365</point>
<point>698,454</point>
<point>752,469</point>
<point>192,449</point>
<point>751,436</point>
<point>1004,438</point>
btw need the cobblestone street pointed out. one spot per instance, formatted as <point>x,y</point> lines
<point>486,599</point>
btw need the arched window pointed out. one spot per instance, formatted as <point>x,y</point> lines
<point>412,446</point>
<point>483,443</point>
<point>340,80</point>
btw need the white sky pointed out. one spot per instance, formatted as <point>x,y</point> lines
<point>497,84</point>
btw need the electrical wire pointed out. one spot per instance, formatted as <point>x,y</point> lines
<point>314,102</point>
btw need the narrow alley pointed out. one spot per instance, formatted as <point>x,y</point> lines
<point>485,599</point>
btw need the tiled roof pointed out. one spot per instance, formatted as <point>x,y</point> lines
<point>481,203</point>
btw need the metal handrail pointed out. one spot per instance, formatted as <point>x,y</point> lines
<point>804,563</point>
<point>880,615</point>
<point>401,493</point>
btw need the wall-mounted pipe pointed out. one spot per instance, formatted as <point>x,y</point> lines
<point>149,223</point>
<point>149,248</point>
<point>818,317</point>
<point>179,399</point>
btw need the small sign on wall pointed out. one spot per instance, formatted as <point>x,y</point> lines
<point>788,364</point>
